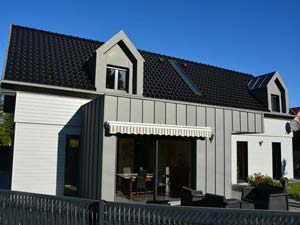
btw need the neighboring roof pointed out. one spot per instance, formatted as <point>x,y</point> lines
<point>295,110</point>
<point>260,81</point>
<point>44,57</point>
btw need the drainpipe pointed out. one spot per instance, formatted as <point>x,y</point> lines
<point>155,183</point>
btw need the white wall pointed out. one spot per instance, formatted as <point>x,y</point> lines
<point>260,156</point>
<point>42,123</point>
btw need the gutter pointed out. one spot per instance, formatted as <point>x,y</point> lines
<point>278,115</point>
<point>9,87</point>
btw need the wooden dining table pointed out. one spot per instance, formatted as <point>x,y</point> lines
<point>127,181</point>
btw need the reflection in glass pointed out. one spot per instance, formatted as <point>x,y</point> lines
<point>122,80</point>
<point>110,78</point>
<point>136,154</point>
<point>71,165</point>
<point>174,168</point>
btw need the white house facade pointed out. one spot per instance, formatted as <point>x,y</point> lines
<point>259,149</point>
<point>42,122</point>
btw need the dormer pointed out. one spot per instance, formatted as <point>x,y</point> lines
<point>271,91</point>
<point>119,67</point>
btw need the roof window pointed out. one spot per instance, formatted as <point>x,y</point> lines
<point>185,77</point>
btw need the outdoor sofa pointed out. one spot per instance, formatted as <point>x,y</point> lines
<point>192,197</point>
<point>189,195</point>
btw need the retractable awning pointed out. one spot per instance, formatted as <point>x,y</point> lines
<point>118,127</point>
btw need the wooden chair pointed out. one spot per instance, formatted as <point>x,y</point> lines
<point>141,182</point>
<point>126,170</point>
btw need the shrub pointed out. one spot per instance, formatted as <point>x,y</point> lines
<point>257,179</point>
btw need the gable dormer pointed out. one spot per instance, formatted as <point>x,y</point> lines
<point>271,90</point>
<point>119,67</point>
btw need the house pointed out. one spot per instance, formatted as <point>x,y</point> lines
<point>269,152</point>
<point>296,145</point>
<point>93,117</point>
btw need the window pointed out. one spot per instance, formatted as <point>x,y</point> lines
<point>185,77</point>
<point>71,165</point>
<point>110,78</point>
<point>275,103</point>
<point>117,79</point>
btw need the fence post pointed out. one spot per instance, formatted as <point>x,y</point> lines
<point>101,212</point>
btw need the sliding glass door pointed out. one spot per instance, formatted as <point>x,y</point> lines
<point>153,168</point>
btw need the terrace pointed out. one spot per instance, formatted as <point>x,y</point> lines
<point>27,208</point>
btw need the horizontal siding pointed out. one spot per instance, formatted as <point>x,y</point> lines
<point>276,127</point>
<point>38,164</point>
<point>42,123</point>
<point>48,109</point>
<point>260,156</point>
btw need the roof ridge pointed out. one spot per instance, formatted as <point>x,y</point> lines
<point>267,74</point>
<point>149,52</point>
<point>55,33</point>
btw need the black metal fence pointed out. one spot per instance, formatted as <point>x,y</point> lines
<point>25,208</point>
<point>20,208</point>
<point>127,213</point>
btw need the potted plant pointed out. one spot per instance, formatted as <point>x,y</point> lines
<point>265,193</point>
<point>265,184</point>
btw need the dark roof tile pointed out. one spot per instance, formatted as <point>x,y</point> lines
<point>44,57</point>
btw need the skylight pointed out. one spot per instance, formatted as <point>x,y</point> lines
<point>185,77</point>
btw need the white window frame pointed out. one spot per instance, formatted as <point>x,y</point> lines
<point>117,69</point>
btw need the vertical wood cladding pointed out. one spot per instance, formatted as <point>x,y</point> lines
<point>90,158</point>
<point>213,167</point>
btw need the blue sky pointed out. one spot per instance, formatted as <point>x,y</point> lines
<point>250,36</point>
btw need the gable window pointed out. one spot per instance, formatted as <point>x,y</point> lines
<point>275,103</point>
<point>117,78</point>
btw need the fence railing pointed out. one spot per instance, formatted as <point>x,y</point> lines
<point>127,213</point>
<point>18,208</point>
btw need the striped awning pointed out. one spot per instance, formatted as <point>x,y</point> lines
<point>118,127</point>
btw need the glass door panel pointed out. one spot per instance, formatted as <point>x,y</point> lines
<point>134,157</point>
<point>71,165</point>
<point>276,154</point>
<point>242,161</point>
<point>174,168</point>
